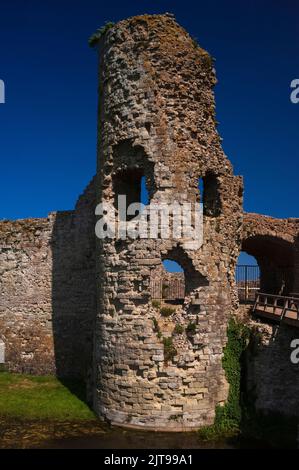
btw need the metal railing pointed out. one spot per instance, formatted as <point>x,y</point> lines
<point>248,282</point>
<point>167,290</point>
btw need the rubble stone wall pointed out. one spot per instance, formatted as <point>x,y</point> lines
<point>79,307</point>
<point>47,287</point>
<point>270,377</point>
<point>26,295</point>
<point>157,119</point>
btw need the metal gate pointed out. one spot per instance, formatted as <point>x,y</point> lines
<point>248,282</point>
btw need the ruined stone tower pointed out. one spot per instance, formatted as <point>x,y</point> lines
<point>157,120</point>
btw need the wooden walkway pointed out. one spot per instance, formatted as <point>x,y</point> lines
<point>277,308</point>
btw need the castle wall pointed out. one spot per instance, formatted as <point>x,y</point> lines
<point>157,119</point>
<point>26,295</point>
<point>47,288</point>
<point>271,376</point>
<point>68,304</point>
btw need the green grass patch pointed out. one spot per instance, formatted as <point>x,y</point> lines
<point>178,329</point>
<point>156,304</point>
<point>191,328</point>
<point>45,397</point>
<point>169,350</point>
<point>94,39</point>
<point>157,328</point>
<point>167,311</point>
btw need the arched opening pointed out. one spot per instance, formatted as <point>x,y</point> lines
<point>132,175</point>
<point>247,277</point>
<point>173,282</point>
<point>176,277</point>
<point>130,183</point>
<point>275,258</point>
<point>209,192</point>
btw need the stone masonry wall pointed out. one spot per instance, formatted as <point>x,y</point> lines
<point>69,304</point>
<point>264,225</point>
<point>47,287</point>
<point>157,119</point>
<point>271,378</point>
<point>25,302</point>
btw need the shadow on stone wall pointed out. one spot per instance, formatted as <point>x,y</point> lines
<point>270,386</point>
<point>73,289</point>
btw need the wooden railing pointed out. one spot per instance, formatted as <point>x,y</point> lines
<point>277,306</point>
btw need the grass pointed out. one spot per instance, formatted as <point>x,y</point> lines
<point>157,328</point>
<point>169,350</point>
<point>32,397</point>
<point>156,304</point>
<point>178,329</point>
<point>94,39</point>
<point>167,311</point>
<point>191,328</point>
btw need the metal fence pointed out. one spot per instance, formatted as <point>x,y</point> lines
<point>247,279</point>
<point>167,290</point>
<point>248,282</point>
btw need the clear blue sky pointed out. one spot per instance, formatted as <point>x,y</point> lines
<point>48,124</point>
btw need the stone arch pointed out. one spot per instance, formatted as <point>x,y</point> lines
<point>275,257</point>
<point>168,285</point>
<point>127,182</point>
<point>193,278</point>
<point>272,242</point>
<point>133,159</point>
<point>184,283</point>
